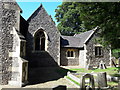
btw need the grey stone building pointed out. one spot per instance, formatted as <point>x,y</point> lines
<point>38,43</point>
<point>83,50</point>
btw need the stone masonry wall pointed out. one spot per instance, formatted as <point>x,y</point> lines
<point>9,20</point>
<point>90,55</point>
<point>0,42</point>
<point>41,20</point>
<point>64,61</point>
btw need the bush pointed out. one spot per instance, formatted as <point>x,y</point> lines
<point>116,53</point>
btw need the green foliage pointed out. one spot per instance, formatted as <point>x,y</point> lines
<point>112,84</point>
<point>68,15</point>
<point>75,17</point>
<point>106,16</point>
<point>116,53</point>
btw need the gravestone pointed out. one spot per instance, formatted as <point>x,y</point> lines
<point>89,67</point>
<point>119,62</point>
<point>102,65</point>
<point>91,82</point>
<point>119,85</point>
<point>102,79</point>
<point>113,60</point>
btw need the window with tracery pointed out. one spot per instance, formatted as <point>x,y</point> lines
<point>40,41</point>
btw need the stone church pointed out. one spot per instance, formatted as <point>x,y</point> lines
<point>36,42</point>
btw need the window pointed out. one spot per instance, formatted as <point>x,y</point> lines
<point>22,48</point>
<point>40,41</point>
<point>98,51</point>
<point>70,53</point>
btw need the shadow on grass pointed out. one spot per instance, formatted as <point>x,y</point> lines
<point>63,71</point>
<point>45,74</point>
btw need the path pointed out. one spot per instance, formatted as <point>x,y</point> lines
<point>46,77</point>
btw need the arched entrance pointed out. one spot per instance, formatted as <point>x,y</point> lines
<point>39,41</point>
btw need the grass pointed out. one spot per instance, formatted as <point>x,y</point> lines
<point>63,71</point>
<point>109,83</point>
<point>112,83</point>
<point>113,71</point>
<point>110,71</point>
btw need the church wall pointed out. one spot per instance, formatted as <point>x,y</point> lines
<point>0,42</point>
<point>9,20</point>
<point>82,58</point>
<point>41,20</point>
<point>69,61</point>
<point>92,59</point>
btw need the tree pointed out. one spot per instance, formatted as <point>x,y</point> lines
<point>68,15</point>
<point>106,16</point>
<point>89,15</point>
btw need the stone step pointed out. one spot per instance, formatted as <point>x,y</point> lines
<point>15,83</point>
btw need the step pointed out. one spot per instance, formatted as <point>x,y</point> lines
<point>15,83</point>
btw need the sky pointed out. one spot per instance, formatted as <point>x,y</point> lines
<point>29,7</point>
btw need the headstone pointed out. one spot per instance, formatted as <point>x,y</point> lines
<point>113,64</point>
<point>119,62</point>
<point>88,67</point>
<point>91,82</point>
<point>119,85</point>
<point>102,65</point>
<point>102,79</point>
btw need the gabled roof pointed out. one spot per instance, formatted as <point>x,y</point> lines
<point>83,36</point>
<point>36,11</point>
<point>70,41</point>
<point>78,40</point>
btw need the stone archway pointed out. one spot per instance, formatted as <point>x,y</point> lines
<point>39,41</point>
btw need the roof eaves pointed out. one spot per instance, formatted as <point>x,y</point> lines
<point>73,47</point>
<point>34,12</point>
<point>91,34</point>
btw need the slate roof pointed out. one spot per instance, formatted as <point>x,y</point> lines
<point>84,36</point>
<point>70,41</point>
<point>76,41</point>
<point>35,12</point>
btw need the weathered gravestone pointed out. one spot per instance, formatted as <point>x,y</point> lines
<point>102,80</point>
<point>89,67</point>
<point>91,82</point>
<point>119,85</point>
<point>102,65</point>
<point>113,60</point>
<point>119,62</point>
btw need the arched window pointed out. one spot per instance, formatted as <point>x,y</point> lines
<point>70,53</point>
<point>40,41</point>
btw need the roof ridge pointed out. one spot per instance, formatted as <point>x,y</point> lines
<point>41,6</point>
<point>83,32</point>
